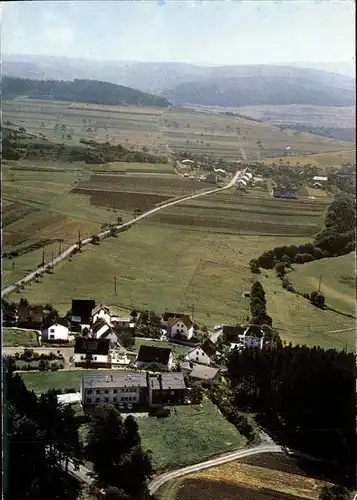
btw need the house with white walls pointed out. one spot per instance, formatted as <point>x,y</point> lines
<point>100,311</point>
<point>55,332</point>
<point>99,328</point>
<point>204,353</point>
<point>182,327</point>
<point>92,353</point>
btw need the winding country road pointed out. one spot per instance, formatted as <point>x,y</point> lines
<point>163,478</point>
<point>31,276</point>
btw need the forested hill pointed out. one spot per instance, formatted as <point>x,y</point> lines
<point>262,90</point>
<point>87,91</point>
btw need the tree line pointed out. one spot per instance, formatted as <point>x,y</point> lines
<point>42,441</point>
<point>78,90</point>
<point>337,238</point>
<point>304,397</point>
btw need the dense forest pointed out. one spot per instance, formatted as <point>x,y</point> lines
<point>304,397</point>
<point>259,90</point>
<point>87,91</point>
<point>338,133</point>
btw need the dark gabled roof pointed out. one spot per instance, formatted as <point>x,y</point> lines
<point>98,307</point>
<point>209,348</point>
<point>98,325</point>
<point>91,346</point>
<point>83,309</point>
<point>151,354</point>
<point>186,320</point>
<point>168,315</point>
<point>166,381</point>
<point>254,331</point>
<point>233,330</point>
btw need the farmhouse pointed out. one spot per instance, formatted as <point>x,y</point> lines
<point>253,336</point>
<point>204,353</point>
<point>182,327</point>
<point>130,390</point>
<point>231,333</point>
<point>99,328</point>
<point>161,356</point>
<point>93,353</point>
<point>168,315</point>
<point>55,332</point>
<point>208,375</point>
<point>100,312</point>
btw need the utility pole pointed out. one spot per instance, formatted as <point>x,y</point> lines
<point>320,282</point>
<point>79,240</point>
<point>43,257</point>
<point>60,247</point>
<point>52,262</point>
<point>193,312</point>
<point>115,285</point>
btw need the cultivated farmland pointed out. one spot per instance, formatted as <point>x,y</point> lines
<point>257,478</point>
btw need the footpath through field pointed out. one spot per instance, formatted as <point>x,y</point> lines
<point>31,276</point>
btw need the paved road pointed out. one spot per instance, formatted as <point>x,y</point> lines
<point>163,478</point>
<point>31,276</point>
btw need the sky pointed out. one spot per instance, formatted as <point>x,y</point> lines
<point>202,31</point>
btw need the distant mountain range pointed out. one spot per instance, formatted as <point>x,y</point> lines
<point>184,83</point>
<point>86,91</point>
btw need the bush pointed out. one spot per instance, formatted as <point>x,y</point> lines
<point>161,412</point>
<point>317,299</point>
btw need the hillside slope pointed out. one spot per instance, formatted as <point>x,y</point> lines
<point>156,77</point>
<point>260,90</point>
<point>87,91</point>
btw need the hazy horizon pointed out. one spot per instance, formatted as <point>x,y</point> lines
<point>194,32</point>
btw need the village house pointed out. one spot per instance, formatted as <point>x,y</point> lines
<point>231,334</point>
<point>92,353</point>
<point>131,390</point>
<point>319,182</point>
<point>120,322</point>
<point>100,311</point>
<point>207,375</point>
<point>100,328</point>
<point>240,337</point>
<point>166,388</point>
<point>204,353</point>
<point>183,327</point>
<point>55,332</point>
<point>160,356</point>
<point>168,316</point>
<point>31,315</point>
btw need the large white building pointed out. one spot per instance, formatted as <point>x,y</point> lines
<point>204,353</point>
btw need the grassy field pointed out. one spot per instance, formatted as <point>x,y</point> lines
<point>161,267</point>
<point>13,338</point>
<point>320,159</point>
<point>153,128</point>
<point>43,381</point>
<point>318,116</point>
<point>257,478</point>
<point>190,435</point>
<point>211,133</point>
<point>338,281</point>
